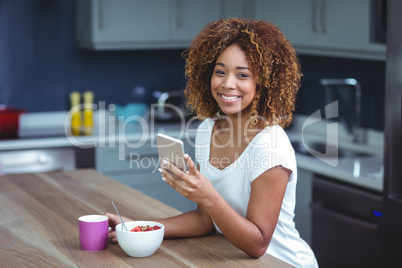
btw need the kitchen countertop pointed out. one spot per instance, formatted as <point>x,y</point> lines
<point>365,171</point>
<point>110,131</point>
<point>39,225</point>
<point>361,170</point>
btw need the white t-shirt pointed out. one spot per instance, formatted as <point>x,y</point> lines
<point>269,148</point>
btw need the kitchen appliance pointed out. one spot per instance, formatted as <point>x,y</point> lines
<point>37,160</point>
<point>46,160</point>
<point>38,152</point>
<point>9,121</point>
<point>43,124</point>
<point>169,106</point>
<point>346,225</point>
<point>347,91</point>
<point>392,243</point>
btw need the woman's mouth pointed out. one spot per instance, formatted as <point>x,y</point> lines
<point>229,98</point>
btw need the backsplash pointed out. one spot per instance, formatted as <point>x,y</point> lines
<point>41,64</point>
<point>370,74</point>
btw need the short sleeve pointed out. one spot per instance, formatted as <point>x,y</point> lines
<point>202,140</point>
<point>271,149</point>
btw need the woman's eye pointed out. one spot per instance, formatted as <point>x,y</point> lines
<point>220,72</point>
<point>243,75</point>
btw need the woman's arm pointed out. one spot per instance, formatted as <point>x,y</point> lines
<point>189,224</point>
<point>251,234</point>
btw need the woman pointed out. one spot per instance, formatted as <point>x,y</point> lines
<point>242,77</point>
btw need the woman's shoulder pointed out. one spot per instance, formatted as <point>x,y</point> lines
<point>204,131</point>
<point>271,132</point>
<point>206,125</point>
<point>271,137</point>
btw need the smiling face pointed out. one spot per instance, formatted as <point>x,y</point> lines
<point>233,85</point>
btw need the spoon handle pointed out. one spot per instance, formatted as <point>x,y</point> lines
<point>120,217</point>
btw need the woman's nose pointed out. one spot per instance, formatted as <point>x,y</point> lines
<point>229,82</point>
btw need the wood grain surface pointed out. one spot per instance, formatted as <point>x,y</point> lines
<point>39,225</point>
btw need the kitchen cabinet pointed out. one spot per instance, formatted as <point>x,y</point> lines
<point>344,218</point>
<point>120,23</point>
<point>317,27</point>
<point>137,168</point>
<point>273,11</point>
<point>324,27</point>
<point>333,24</point>
<point>136,24</point>
<point>190,16</point>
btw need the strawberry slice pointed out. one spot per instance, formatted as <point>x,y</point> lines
<point>136,229</point>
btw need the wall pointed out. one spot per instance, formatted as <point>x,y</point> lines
<point>40,65</point>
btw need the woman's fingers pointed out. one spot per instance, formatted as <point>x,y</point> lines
<point>190,164</point>
<point>171,171</point>
<point>113,219</point>
<point>112,236</point>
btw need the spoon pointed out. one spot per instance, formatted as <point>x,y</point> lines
<point>120,217</point>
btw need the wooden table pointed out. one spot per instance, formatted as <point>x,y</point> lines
<point>39,225</point>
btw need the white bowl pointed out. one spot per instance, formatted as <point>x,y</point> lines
<point>140,244</point>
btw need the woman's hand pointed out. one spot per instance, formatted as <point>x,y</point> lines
<point>192,184</point>
<point>114,220</point>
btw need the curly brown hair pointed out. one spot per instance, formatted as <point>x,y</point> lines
<point>271,58</point>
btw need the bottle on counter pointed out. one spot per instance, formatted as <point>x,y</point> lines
<point>88,122</point>
<point>75,113</point>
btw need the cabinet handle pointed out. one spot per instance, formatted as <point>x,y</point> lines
<point>314,16</point>
<point>322,17</point>
<point>32,159</point>
<point>100,15</point>
<point>178,5</point>
<point>247,8</point>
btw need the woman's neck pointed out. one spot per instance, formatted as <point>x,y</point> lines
<point>238,125</point>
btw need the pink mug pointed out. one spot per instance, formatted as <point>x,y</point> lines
<point>93,232</point>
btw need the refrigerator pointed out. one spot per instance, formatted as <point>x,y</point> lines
<point>392,196</point>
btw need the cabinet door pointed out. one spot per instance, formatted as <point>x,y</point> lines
<point>130,20</point>
<point>334,24</point>
<point>238,9</point>
<point>131,24</point>
<point>122,24</point>
<point>190,16</point>
<point>273,11</point>
<point>324,27</point>
<point>112,160</point>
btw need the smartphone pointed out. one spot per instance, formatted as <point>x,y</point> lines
<point>171,149</point>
